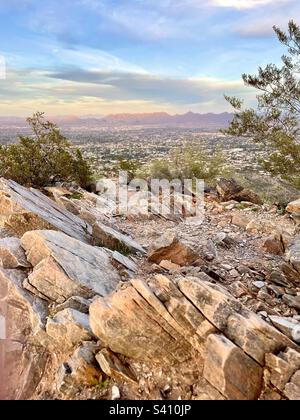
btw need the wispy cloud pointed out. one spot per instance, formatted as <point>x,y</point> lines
<point>261,25</point>
<point>82,92</point>
<point>246,4</point>
<point>93,59</point>
<point>182,93</point>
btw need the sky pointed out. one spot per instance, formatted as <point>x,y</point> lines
<point>96,57</point>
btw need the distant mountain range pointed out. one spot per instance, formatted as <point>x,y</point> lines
<point>208,121</point>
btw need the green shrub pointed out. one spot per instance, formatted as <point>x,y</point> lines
<point>131,166</point>
<point>191,162</point>
<point>45,156</point>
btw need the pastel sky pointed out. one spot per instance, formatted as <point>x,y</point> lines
<point>94,57</point>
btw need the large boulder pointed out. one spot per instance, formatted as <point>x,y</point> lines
<point>65,267</point>
<point>167,323</point>
<point>22,337</point>
<point>229,189</point>
<point>68,328</point>
<point>244,328</point>
<point>25,209</point>
<point>247,195</point>
<point>12,255</point>
<point>170,248</point>
<point>292,254</point>
<point>113,239</point>
<point>294,208</point>
<point>226,364</point>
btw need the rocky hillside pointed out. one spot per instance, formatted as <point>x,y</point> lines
<point>101,306</point>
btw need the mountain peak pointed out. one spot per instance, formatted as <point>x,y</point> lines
<point>159,118</point>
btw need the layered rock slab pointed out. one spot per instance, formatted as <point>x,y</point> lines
<point>65,267</point>
<point>247,330</point>
<point>166,322</point>
<point>93,210</point>
<point>23,355</point>
<point>23,209</point>
<point>170,248</point>
<point>292,254</point>
<point>142,334</point>
<point>230,370</point>
<point>12,254</point>
<point>69,328</point>
<point>111,238</point>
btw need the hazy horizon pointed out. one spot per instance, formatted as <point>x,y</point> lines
<point>117,114</point>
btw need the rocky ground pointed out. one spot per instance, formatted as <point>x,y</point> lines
<point>106,306</point>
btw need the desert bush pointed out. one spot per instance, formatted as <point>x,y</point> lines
<point>131,166</point>
<point>44,156</point>
<point>270,189</point>
<point>190,162</point>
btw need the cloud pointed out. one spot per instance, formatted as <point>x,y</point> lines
<point>260,25</point>
<point>246,4</point>
<point>158,89</point>
<point>92,59</point>
<point>139,21</point>
<point>83,92</point>
<point>189,20</point>
<point>116,24</point>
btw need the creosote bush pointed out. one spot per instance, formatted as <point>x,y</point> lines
<point>44,156</point>
<point>189,162</point>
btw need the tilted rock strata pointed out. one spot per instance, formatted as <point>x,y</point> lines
<point>12,255</point>
<point>23,355</point>
<point>64,267</point>
<point>169,247</point>
<point>165,323</point>
<point>293,253</point>
<point>17,202</point>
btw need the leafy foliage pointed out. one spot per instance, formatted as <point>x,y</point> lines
<point>46,155</point>
<point>190,162</point>
<point>131,166</point>
<point>275,121</point>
